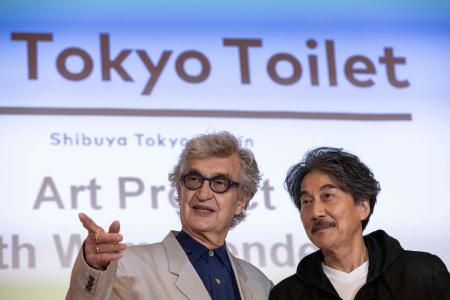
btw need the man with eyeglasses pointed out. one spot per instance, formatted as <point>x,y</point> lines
<point>215,179</point>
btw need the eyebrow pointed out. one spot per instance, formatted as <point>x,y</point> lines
<point>193,170</point>
<point>328,186</point>
<point>323,187</point>
<point>302,193</point>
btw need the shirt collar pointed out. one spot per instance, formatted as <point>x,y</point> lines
<point>195,250</point>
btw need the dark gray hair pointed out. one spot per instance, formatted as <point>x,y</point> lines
<point>350,174</point>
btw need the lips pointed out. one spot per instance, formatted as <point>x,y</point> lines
<point>203,209</point>
<point>322,224</point>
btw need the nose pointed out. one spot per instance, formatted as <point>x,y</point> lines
<point>204,192</point>
<point>318,209</point>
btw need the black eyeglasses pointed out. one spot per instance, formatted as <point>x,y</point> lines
<point>218,184</point>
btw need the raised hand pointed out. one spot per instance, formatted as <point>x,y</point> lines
<point>100,247</point>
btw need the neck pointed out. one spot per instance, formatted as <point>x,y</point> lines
<point>207,239</point>
<point>346,259</point>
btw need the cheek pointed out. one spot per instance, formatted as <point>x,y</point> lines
<point>184,199</point>
<point>303,218</point>
<point>304,214</point>
<point>228,205</point>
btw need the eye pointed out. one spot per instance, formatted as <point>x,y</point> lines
<point>193,178</point>
<point>328,196</point>
<point>305,201</point>
<point>220,182</point>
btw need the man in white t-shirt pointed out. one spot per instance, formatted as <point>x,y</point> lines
<point>336,194</point>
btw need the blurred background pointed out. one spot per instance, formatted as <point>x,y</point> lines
<point>97,99</point>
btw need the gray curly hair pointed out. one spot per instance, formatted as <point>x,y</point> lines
<point>221,144</point>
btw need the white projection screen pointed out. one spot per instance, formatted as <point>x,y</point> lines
<point>97,99</point>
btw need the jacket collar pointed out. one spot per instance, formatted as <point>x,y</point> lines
<point>310,271</point>
<point>187,282</point>
<point>195,250</point>
<point>383,251</point>
<point>246,289</point>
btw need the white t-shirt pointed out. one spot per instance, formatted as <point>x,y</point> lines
<point>347,284</point>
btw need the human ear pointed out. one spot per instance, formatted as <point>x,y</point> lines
<point>364,209</point>
<point>241,203</point>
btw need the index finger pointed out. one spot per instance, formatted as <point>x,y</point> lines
<point>88,223</point>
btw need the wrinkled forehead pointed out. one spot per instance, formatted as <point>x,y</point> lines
<point>318,178</point>
<point>214,165</point>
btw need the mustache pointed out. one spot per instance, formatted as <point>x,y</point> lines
<point>322,223</point>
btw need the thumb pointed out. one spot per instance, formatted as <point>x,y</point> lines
<point>114,227</point>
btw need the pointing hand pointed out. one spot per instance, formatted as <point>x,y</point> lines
<point>100,247</point>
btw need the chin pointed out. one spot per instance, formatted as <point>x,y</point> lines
<point>322,245</point>
<point>321,241</point>
<point>203,226</point>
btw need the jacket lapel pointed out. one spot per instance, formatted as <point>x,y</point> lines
<point>187,282</point>
<point>245,289</point>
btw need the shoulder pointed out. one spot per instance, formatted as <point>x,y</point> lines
<point>427,271</point>
<point>387,252</point>
<point>424,265</point>
<point>289,288</point>
<point>288,282</point>
<point>256,284</point>
<point>421,267</point>
<point>138,254</point>
<point>253,272</point>
<point>303,284</point>
<point>421,260</point>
